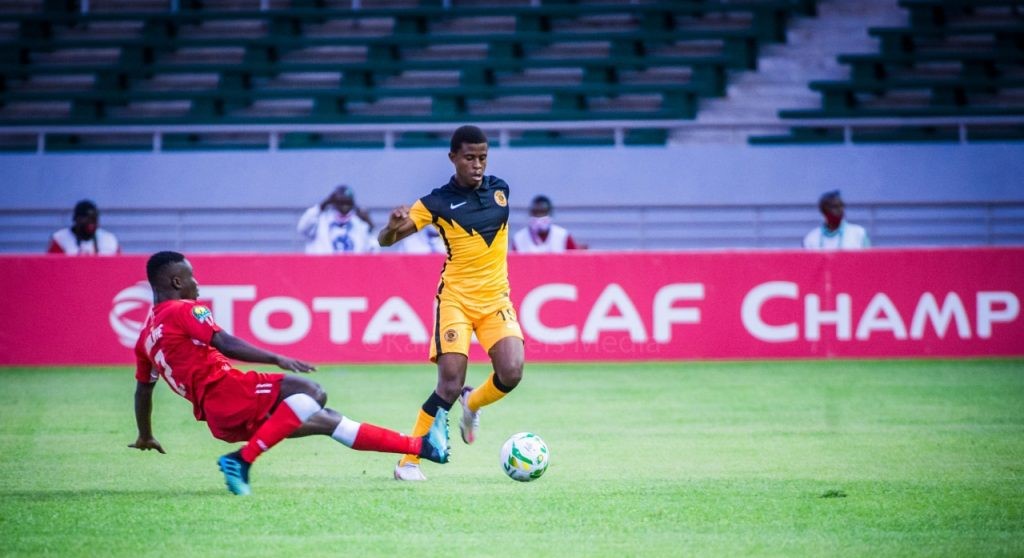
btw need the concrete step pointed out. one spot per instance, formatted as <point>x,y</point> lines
<point>784,70</point>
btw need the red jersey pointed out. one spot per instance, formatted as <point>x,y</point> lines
<point>175,344</point>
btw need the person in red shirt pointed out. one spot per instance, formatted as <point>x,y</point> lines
<point>84,237</point>
<point>181,343</point>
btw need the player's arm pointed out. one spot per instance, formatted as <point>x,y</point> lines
<point>239,349</point>
<point>143,414</point>
<point>399,226</point>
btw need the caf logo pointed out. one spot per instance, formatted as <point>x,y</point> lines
<point>201,313</point>
<point>451,335</point>
<point>499,198</point>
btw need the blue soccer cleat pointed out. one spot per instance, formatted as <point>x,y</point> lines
<point>435,443</point>
<point>236,473</point>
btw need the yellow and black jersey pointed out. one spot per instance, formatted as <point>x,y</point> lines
<point>474,226</point>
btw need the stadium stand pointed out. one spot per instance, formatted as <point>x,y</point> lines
<point>269,75</point>
<point>113,63</point>
<point>956,59</point>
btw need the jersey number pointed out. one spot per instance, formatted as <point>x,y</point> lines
<point>165,369</point>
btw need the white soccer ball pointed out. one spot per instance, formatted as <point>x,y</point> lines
<point>525,457</point>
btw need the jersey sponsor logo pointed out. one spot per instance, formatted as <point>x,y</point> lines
<point>500,199</point>
<point>201,313</point>
<point>456,205</point>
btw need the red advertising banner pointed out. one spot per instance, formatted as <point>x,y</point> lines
<point>573,307</point>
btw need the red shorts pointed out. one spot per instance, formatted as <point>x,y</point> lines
<point>238,403</point>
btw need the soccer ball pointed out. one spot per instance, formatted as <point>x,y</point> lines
<point>525,457</point>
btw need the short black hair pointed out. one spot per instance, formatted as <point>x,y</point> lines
<point>467,134</point>
<point>83,207</point>
<point>158,261</point>
<point>827,197</point>
<point>541,199</point>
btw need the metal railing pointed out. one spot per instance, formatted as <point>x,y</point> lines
<point>661,227</point>
<point>269,136</point>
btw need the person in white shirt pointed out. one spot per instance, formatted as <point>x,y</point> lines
<point>84,237</point>
<point>836,233</point>
<point>426,241</point>
<point>337,226</point>
<point>541,236</point>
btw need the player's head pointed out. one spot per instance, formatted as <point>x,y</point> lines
<point>170,276</point>
<point>86,219</point>
<point>832,207</point>
<point>469,155</point>
<point>540,206</point>
<point>467,134</point>
<point>343,199</point>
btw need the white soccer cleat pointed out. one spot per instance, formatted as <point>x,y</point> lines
<point>409,472</point>
<point>470,421</point>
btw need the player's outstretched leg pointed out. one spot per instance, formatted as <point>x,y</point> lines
<point>289,416</point>
<point>435,443</point>
<point>236,473</point>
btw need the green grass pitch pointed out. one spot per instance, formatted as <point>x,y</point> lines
<point>838,458</point>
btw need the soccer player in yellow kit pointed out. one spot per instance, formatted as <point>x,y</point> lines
<point>471,214</point>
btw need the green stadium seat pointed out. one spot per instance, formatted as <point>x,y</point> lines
<point>927,14</point>
<point>925,71</point>
<point>897,40</point>
<point>626,68</point>
<point>843,95</point>
<point>873,68</point>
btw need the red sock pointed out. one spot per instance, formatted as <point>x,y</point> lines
<point>374,438</point>
<point>282,423</point>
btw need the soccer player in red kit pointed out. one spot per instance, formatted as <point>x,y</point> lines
<point>181,342</point>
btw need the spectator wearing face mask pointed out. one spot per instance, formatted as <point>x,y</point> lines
<point>337,226</point>
<point>541,236</point>
<point>84,237</point>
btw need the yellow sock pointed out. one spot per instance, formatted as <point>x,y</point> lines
<point>422,426</point>
<point>485,394</point>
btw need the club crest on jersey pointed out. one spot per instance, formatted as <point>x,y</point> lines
<point>201,313</point>
<point>499,198</point>
<point>451,335</point>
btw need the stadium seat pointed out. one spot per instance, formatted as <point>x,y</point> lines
<point>957,58</point>
<point>310,61</point>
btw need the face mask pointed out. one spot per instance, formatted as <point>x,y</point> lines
<point>85,230</point>
<point>342,218</point>
<point>540,224</point>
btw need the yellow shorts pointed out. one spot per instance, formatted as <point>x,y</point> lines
<point>454,324</point>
